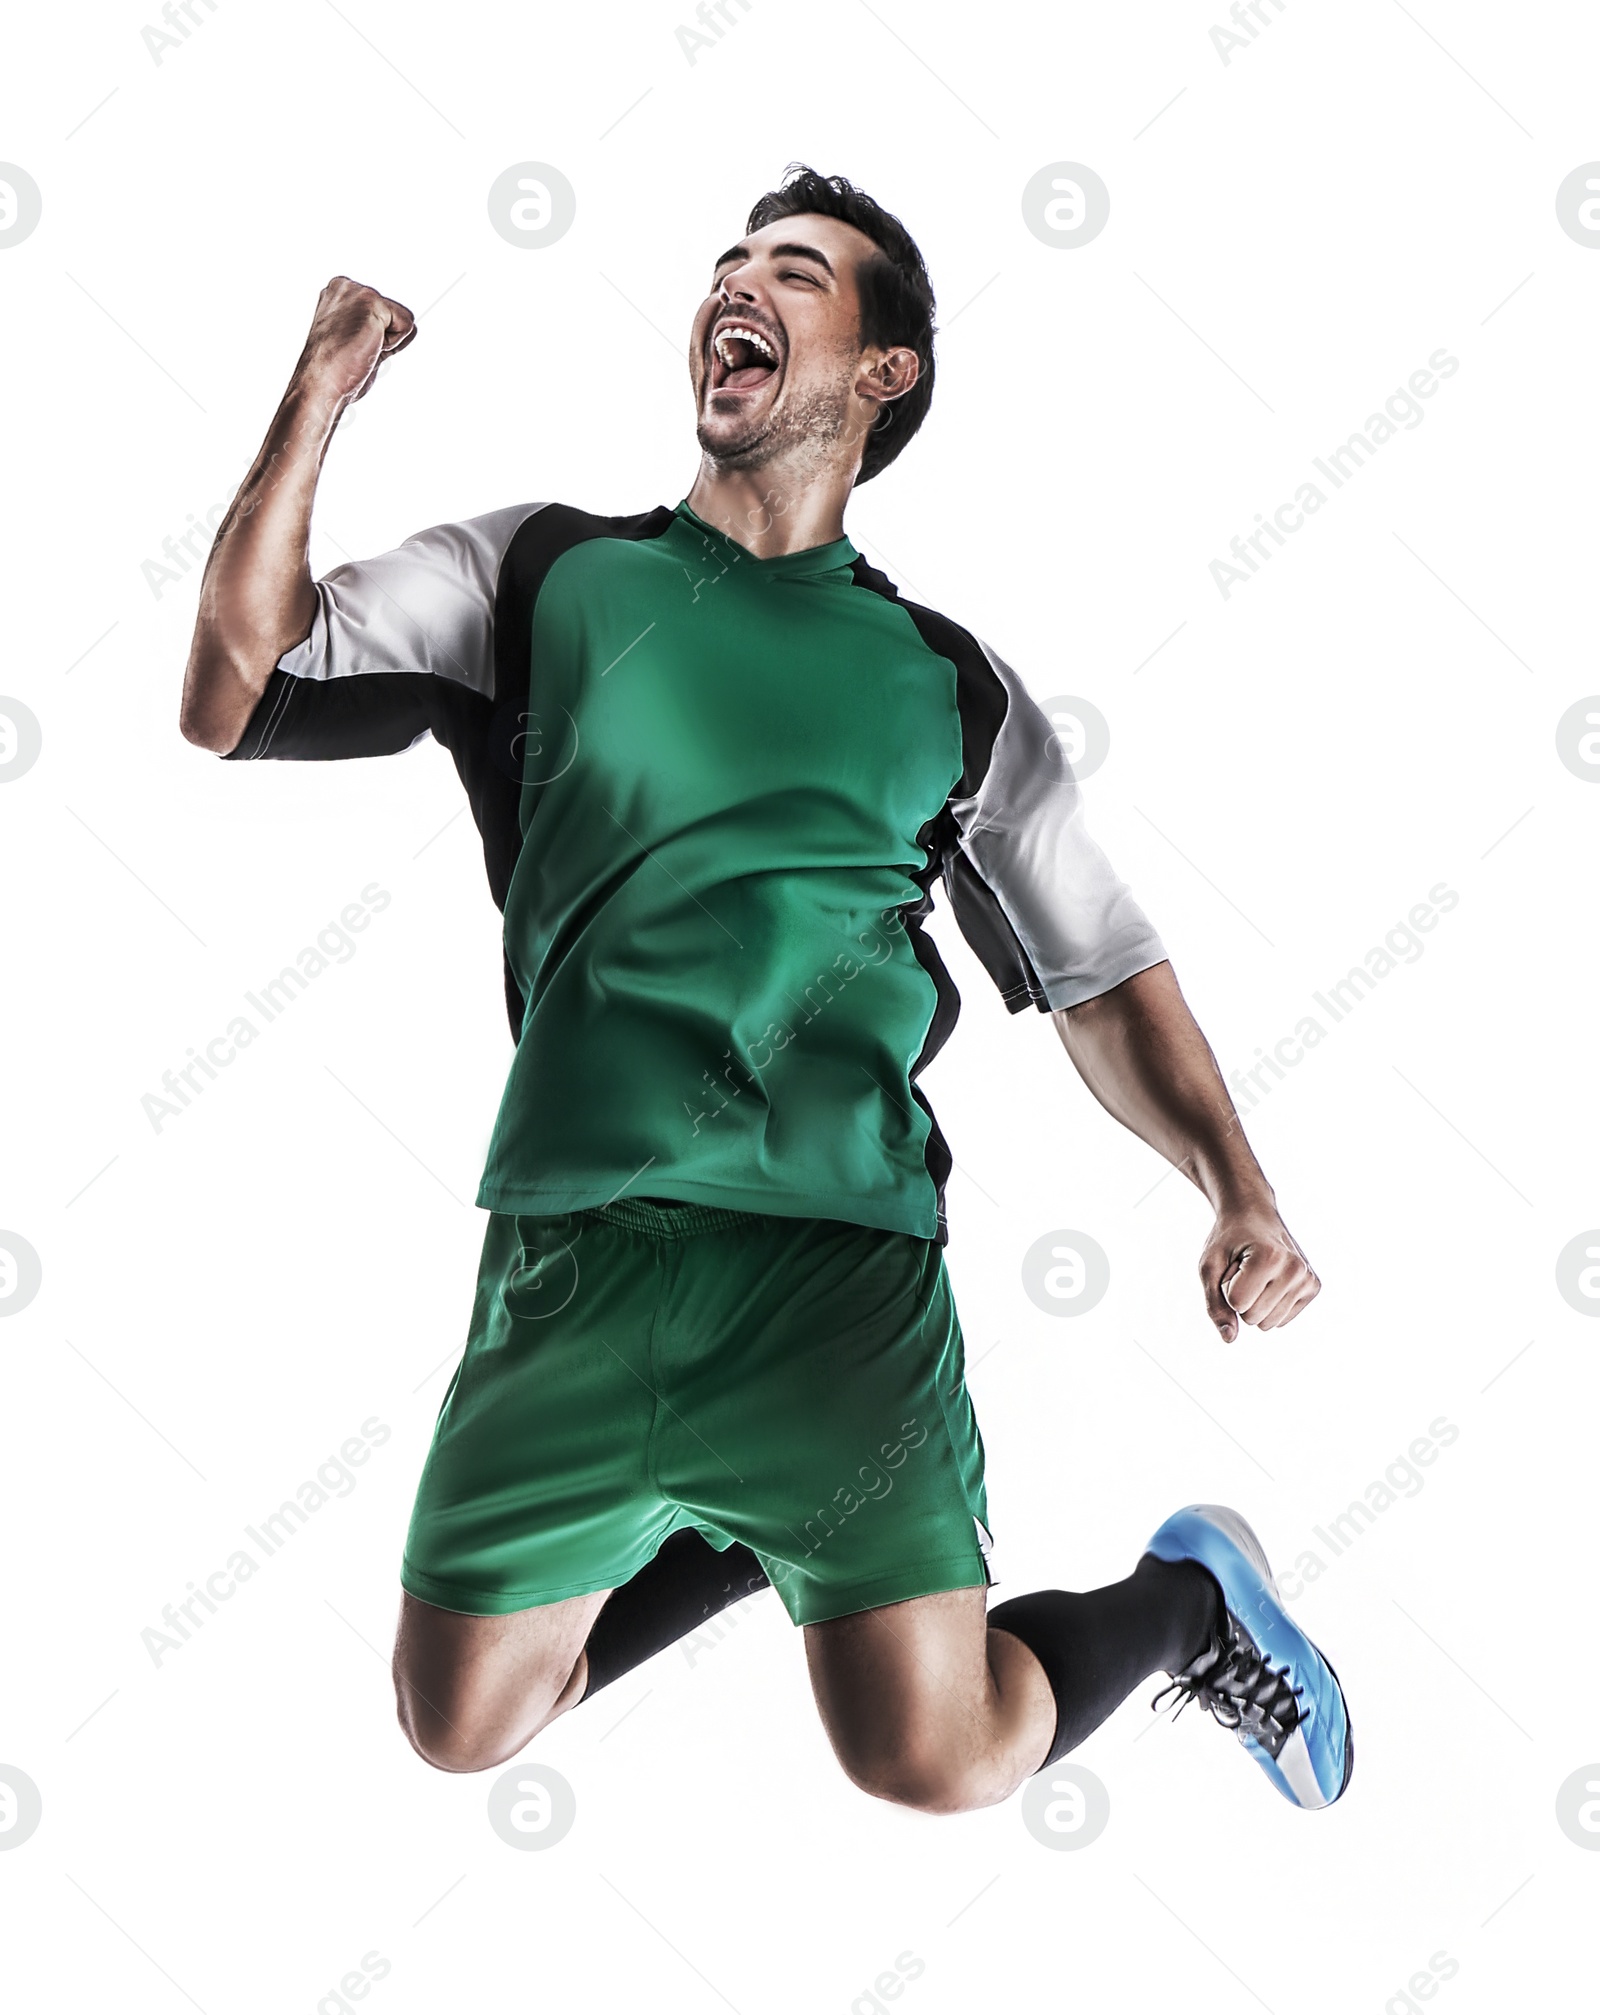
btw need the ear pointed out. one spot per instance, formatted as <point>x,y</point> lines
<point>888,374</point>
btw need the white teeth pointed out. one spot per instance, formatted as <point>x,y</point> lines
<point>750,336</point>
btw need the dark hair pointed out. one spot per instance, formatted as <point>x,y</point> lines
<point>897,305</point>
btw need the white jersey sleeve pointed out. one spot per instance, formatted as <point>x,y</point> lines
<point>1034,893</point>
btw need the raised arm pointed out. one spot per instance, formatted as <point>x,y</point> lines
<point>1140,1051</point>
<point>257,598</point>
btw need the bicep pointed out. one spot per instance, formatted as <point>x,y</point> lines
<point>387,635</point>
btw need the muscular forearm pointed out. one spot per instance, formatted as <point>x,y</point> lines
<point>1140,1051</point>
<point>1142,1055</point>
<point>257,598</point>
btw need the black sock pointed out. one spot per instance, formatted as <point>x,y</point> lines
<point>686,1584</point>
<point>1096,1648</point>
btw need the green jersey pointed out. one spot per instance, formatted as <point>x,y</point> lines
<point>715,793</point>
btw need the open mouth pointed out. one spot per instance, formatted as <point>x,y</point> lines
<point>742,358</point>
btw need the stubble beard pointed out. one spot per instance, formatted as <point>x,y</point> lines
<point>802,433</point>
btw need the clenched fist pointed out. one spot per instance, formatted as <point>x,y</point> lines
<point>1253,1271</point>
<point>354,330</point>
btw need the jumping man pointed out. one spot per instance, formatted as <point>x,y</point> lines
<point>718,762</point>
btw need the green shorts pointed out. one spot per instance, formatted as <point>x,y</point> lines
<point>793,1383</point>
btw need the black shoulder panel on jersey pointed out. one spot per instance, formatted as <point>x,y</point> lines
<point>535,547</point>
<point>981,704</point>
<point>980,697</point>
<point>491,767</point>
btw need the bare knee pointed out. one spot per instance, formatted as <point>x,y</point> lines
<point>452,1745</point>
<point>909,1700</point>
<point>453,1730</point>
<point>472,1691</point>
<point>924,1780</point>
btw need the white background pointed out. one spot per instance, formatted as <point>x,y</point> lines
<point>1292,769</point>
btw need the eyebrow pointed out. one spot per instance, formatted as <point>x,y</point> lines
<point>778,252</point>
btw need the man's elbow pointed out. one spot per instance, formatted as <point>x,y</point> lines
<point>205,729</point>
<point>219,697</point>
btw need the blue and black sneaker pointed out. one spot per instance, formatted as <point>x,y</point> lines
<point>1260,1675</point>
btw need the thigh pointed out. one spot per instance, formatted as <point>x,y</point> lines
<point>925,1705</point>
<point>880,1676</point>
<point>903,1691</point>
